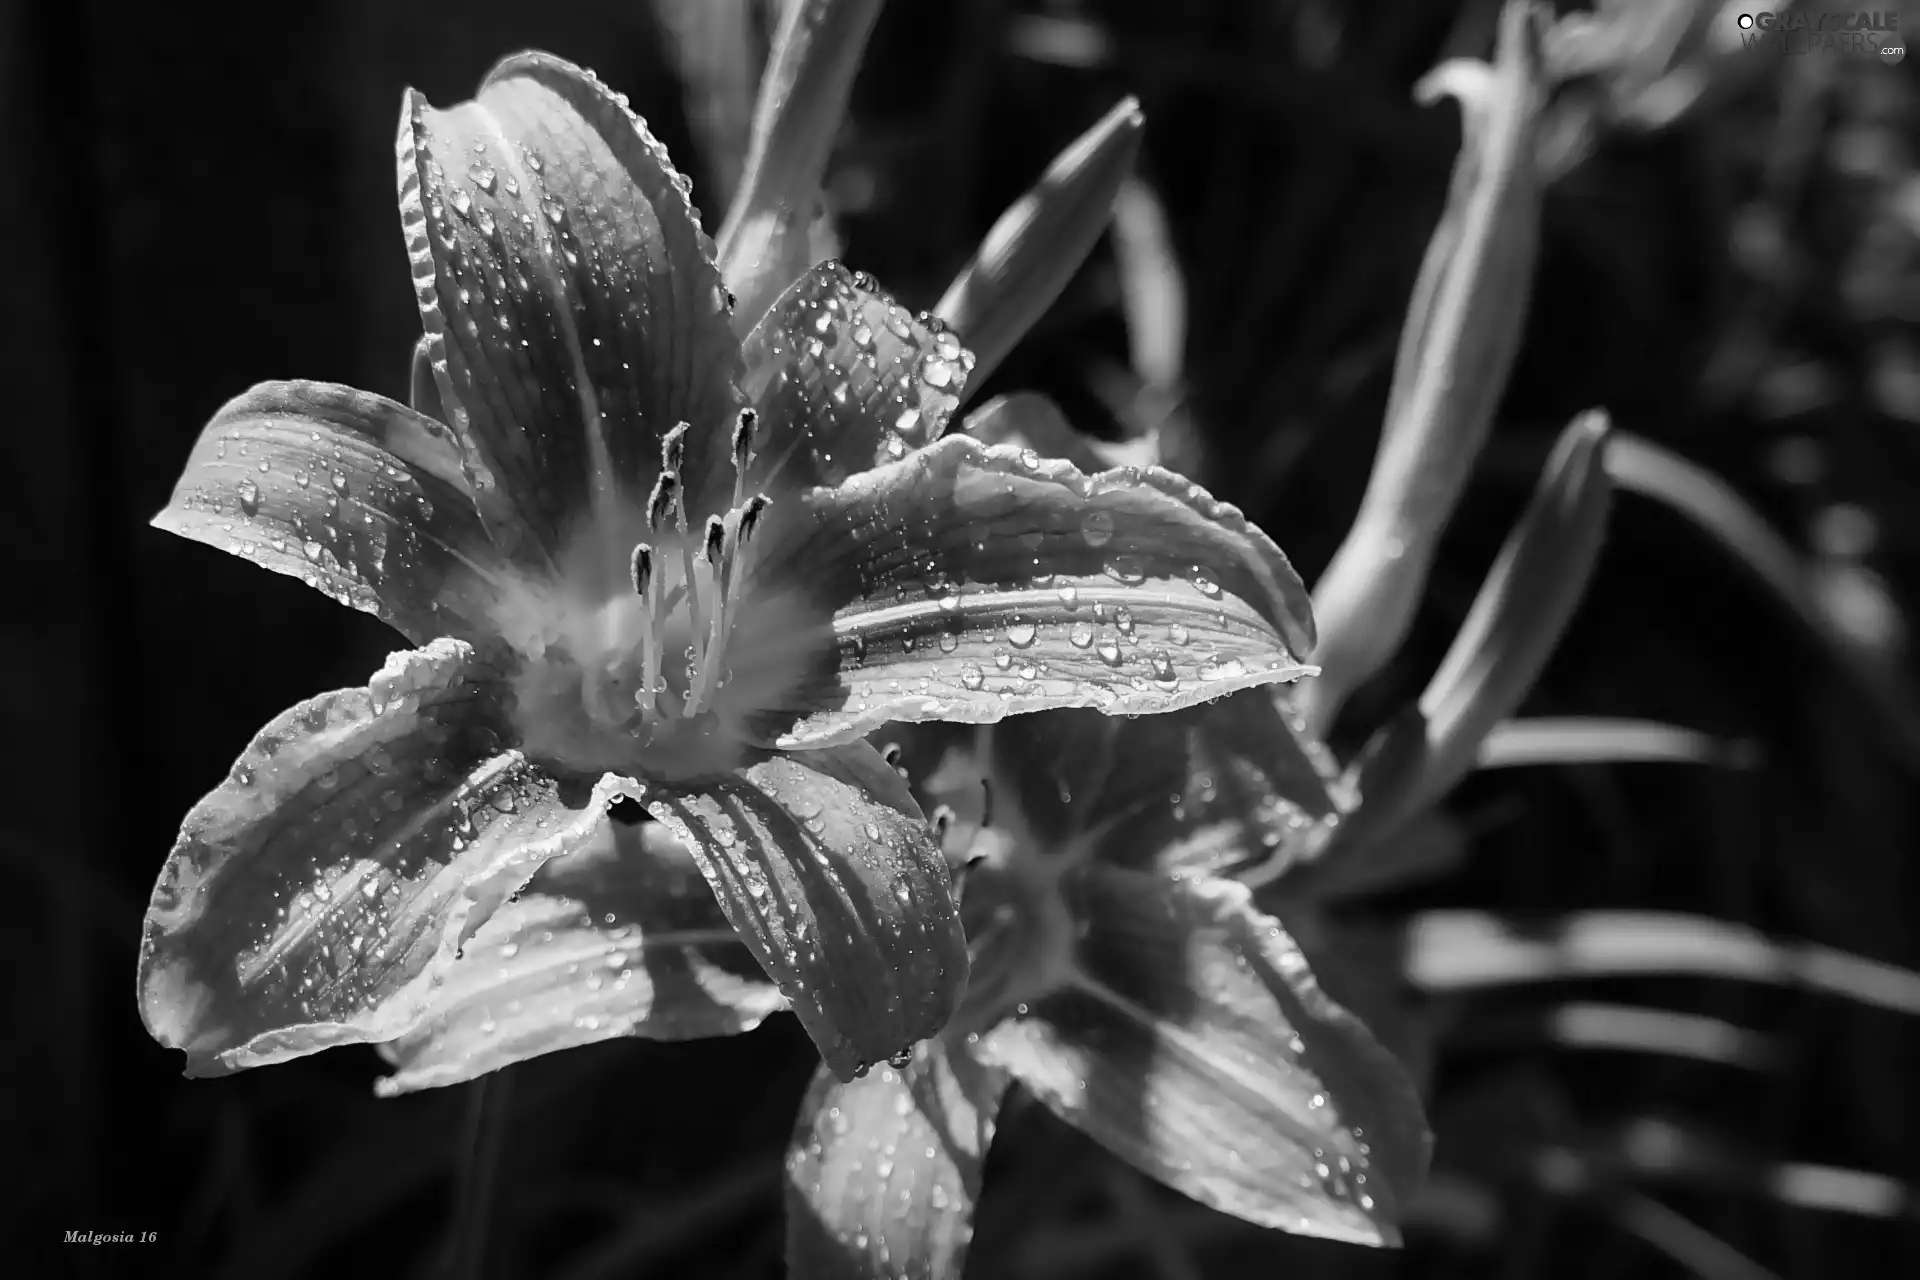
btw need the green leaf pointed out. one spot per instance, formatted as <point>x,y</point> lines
<point>1708,503</point>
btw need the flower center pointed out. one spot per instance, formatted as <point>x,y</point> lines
<point>628,654</point>
<point>1021,928</point>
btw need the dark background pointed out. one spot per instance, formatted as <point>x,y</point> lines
<point>200,196</point>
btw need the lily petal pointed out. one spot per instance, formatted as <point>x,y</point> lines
<point>319,895</point>
<point>356,496</point>
<point>619,938</point>
<point>1154,792</point>
<point>844,379</point>
<point>1028,420</point>
<point>1035,247</point>
<point>1195,1045</point>
<point>803,99</point>
<point>423,393</point>
<point>572,308</point>
<point>883,1173</point>
<point>825,866</point>
<point>970,583</point>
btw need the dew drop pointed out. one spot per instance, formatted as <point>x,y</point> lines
<point>1082,635</point>
<point>1020,634</point>
<point>971,677</point>
<point>1097,528</point>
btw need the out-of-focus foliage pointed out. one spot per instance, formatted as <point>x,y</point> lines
<point>1717,1080</point>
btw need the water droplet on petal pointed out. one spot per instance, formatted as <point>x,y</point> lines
<point>971,677</point>
<point>1097,528</point>
<point>1020,634</point>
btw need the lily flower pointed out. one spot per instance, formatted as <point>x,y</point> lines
<point>1138,995</point>
<point>651,566</point>
<point>1150,1004</point>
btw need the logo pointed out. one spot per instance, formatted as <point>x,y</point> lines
<point>1863,34</point>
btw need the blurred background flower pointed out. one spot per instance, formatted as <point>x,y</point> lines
<point>1670,1009</point>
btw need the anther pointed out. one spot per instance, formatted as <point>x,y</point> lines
<point>743,439</point>
<point>941,822</point>
<point>641,569</point>
<point>666,492</point>
<point>673,450</point>
<point>743,451</point>
<point>750,514</point>
<point>716,539</point>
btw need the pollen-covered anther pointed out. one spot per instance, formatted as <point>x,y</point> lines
<point>743,430</point>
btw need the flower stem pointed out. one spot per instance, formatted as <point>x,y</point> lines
<point>484,1134</point>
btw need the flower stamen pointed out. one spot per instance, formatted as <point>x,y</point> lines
<point>645,586</point>
<point>743,452</point>
<point>719,566</point>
